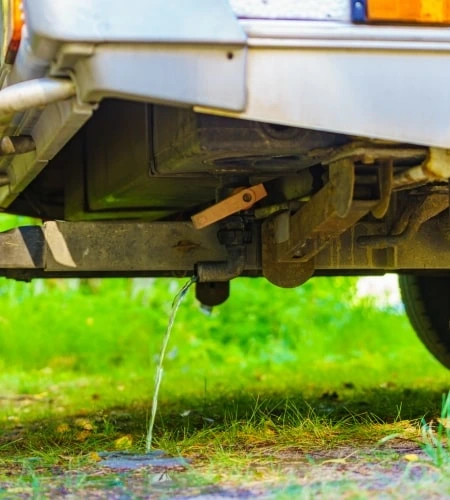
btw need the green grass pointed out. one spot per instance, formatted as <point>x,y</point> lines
<point>270,374</point>
<point>314,335</point>
<point>62,337</point>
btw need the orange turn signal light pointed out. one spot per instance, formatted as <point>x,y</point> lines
<point>409,11</point>
<point>17,23</point>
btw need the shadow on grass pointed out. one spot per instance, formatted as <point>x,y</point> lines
<point>180,421</point>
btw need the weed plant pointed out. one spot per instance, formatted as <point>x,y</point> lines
<point>435,439</point>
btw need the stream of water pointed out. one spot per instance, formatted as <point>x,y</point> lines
<point>160,367</point>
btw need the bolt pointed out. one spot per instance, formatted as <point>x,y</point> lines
<point>247,197</point>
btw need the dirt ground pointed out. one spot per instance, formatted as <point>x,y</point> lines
<point>398,469</point>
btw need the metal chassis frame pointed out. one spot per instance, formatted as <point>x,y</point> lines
<point>70,249</point>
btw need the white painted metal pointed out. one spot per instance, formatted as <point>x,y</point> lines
<point>27,66</point>
<point>387,83</point>
<point>184,75</point>
<point>52,23</point>
<point>158,51</point>
<point>336,10</point>
<point>333,34</point>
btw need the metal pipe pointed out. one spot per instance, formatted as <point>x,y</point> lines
<point>432,205</point>
<point>223,271</point>
<point>33,94</point>
<point>435,168</point>
<point>16,145</point>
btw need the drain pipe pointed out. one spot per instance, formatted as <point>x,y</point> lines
<point>435,168</point>
<point>24,96</point>
<point>223,271</point>
<point>234,236</point>
<point>21,97</point>
<point>34,94</point>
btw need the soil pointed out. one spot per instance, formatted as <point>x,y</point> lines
<point>398,469</point>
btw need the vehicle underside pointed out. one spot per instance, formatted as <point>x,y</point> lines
<point>331,203</point>
<point>255,163</point>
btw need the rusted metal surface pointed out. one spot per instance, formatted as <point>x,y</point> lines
<point>328,214</point>
<point>320,214</point>
<point>212,293</point>
<point>122,246</point>
<point>284,274</point>
<point>431,206</point>
<point>436,167</point>
<point>22,248</point>
<point>369,153</point>
<point>428,250</point>
<point>243,199</point>
<point>222,271</point>
<point>385,186</point>
<point>235,237</point>
<point>174,248</point>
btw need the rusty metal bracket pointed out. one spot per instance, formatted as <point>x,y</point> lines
<point>284,274</point>
<point>409,223</point>
<point>290,242</point>
<point>385,186</point>
<point>329,213</point>
<point>370,152</point>
<point>435,168</point>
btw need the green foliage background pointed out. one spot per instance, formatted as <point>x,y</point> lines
<point>320,333</point>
